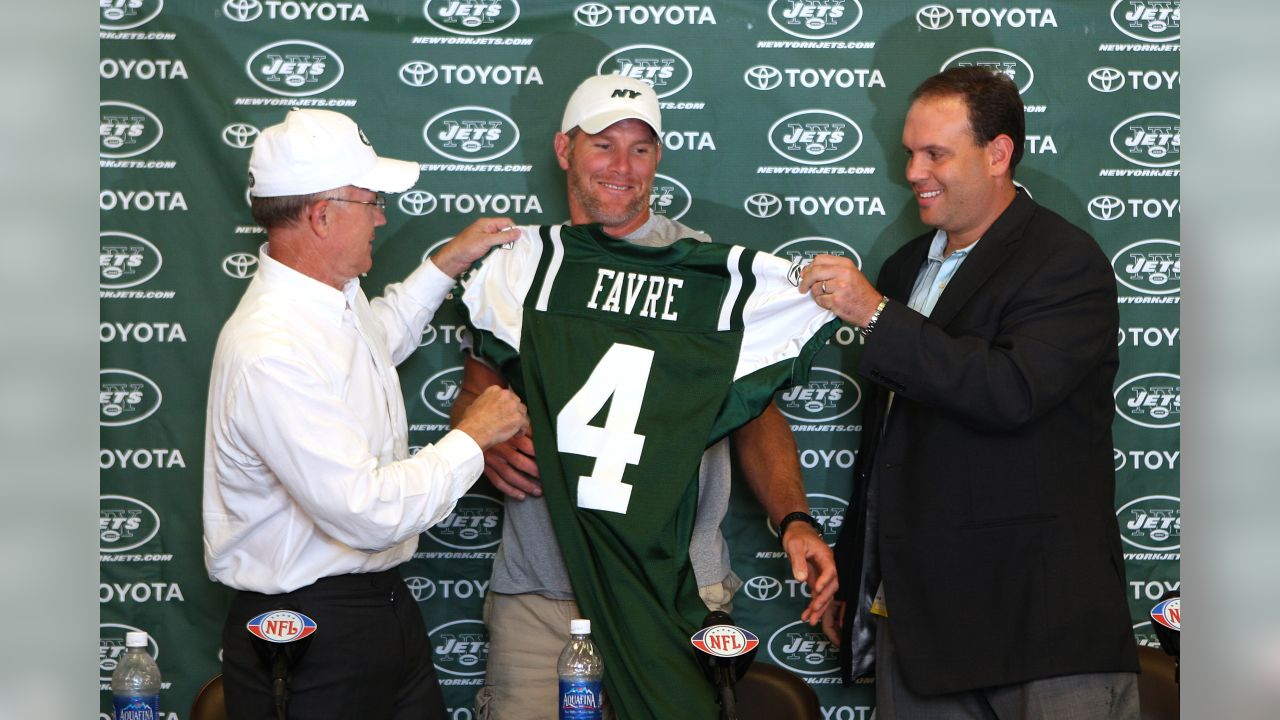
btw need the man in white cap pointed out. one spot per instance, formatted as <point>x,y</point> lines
<point>311,498</point>
<point>609,146</point>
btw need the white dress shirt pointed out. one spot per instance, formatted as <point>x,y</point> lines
<point>307,471</point>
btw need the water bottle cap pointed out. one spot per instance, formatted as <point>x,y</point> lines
<point>135,638</point>
<point>579,627</point>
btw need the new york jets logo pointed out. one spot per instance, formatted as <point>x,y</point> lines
<point>801,252</point>
<point>815,19</point>
<point>1152,523</point>
<point>125,523</point>
<point>669,197</point>
<point>127,14</point>
<point>294,68</point>
<point>1152,139</point>
<point>460,648</point>
<point>126,260</point>
<point>828,396</point>
<point>471,17</point>
<point>471,134</point>
<point>1002,61</point>
<point>126,397</point>
<point>126,130</point>
<point>440,390</point>
<point>1151,267</point>
<point>815,137</point>
<point>803,649</point>
<point>474,524</point>
<point>1153,400</point>
<point>666,70</point>
<point>1152,21</point>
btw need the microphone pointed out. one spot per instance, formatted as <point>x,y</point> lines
<point>1167,624</point>
<point>281,637</point>
<point>724,652</point>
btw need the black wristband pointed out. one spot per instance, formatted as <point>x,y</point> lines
<point>792,517</point>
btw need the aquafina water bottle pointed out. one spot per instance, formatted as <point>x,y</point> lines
<point>581,671</point>
<point>135,684</point>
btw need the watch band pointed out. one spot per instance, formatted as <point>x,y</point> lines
<point>792,517</point>
<point>875,317</point>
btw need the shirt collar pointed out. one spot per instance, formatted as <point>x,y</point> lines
<point>310,293</point>
<point>939,244</point>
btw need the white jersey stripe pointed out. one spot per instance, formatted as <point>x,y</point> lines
<point>735,287</point>
<point>553,268</point>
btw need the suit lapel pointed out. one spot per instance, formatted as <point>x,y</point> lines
<point>985,257</point>
<point>897,278</point>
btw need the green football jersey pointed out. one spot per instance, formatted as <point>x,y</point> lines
<point>632,360</point>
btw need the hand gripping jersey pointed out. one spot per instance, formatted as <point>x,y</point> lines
<point>632,360</point>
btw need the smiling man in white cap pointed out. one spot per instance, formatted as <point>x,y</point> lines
<point>311,498</point>
<point>609,146</point>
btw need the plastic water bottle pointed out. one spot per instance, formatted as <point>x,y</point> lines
<point>581,670</point>
<point>135,684</point>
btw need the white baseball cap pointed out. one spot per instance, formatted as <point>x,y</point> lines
<point>317,150</point>
<point>602,100</point>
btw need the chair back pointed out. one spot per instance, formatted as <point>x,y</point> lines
<point>1157,689</point>
<point>209,703</point>
<point>767,692</point>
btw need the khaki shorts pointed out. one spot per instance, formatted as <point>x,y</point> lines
<point>526,635</point>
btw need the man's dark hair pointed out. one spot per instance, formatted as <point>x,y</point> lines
<point>995,108</point>
<point>282,211</point>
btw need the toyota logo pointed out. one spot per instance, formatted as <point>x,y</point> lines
<point>422,588</point>
<point>592,14</point>
<point>1106,79</point>
<point>418,74</point>
<point>1106,207</point>
<point>762,588</point>
<point>762,205</point>
<point>934,17</point>
<point>417,202</point>
<point>240,265</point>
<point>762,77</point>
<point>239,135</point>
<point>242,10</point>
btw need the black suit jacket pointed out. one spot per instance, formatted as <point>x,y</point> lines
<point>998,541</point>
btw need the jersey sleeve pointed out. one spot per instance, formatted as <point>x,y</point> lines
<point>780,323</point>
<point>782,330</point>
<point>494,295</point>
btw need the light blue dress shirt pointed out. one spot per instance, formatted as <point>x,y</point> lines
<point>936,274</point>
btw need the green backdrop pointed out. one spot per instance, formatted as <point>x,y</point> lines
<point>782,125</point>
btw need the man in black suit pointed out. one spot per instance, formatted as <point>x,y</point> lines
<point>981,564</point>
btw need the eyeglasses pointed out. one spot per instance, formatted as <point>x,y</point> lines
<point>380,202</point>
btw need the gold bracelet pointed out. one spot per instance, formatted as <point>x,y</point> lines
<point>875,317</point>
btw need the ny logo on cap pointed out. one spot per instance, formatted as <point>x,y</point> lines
<point>623,92</point>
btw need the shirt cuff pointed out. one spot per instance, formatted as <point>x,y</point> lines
<point>428,285</point>
<point>462,453</point>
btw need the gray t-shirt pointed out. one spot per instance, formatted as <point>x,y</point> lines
<point>529,559</point>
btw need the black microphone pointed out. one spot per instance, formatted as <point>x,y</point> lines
<point>1166,619</point>
<point>724,652</point>
<point>280,638</point>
